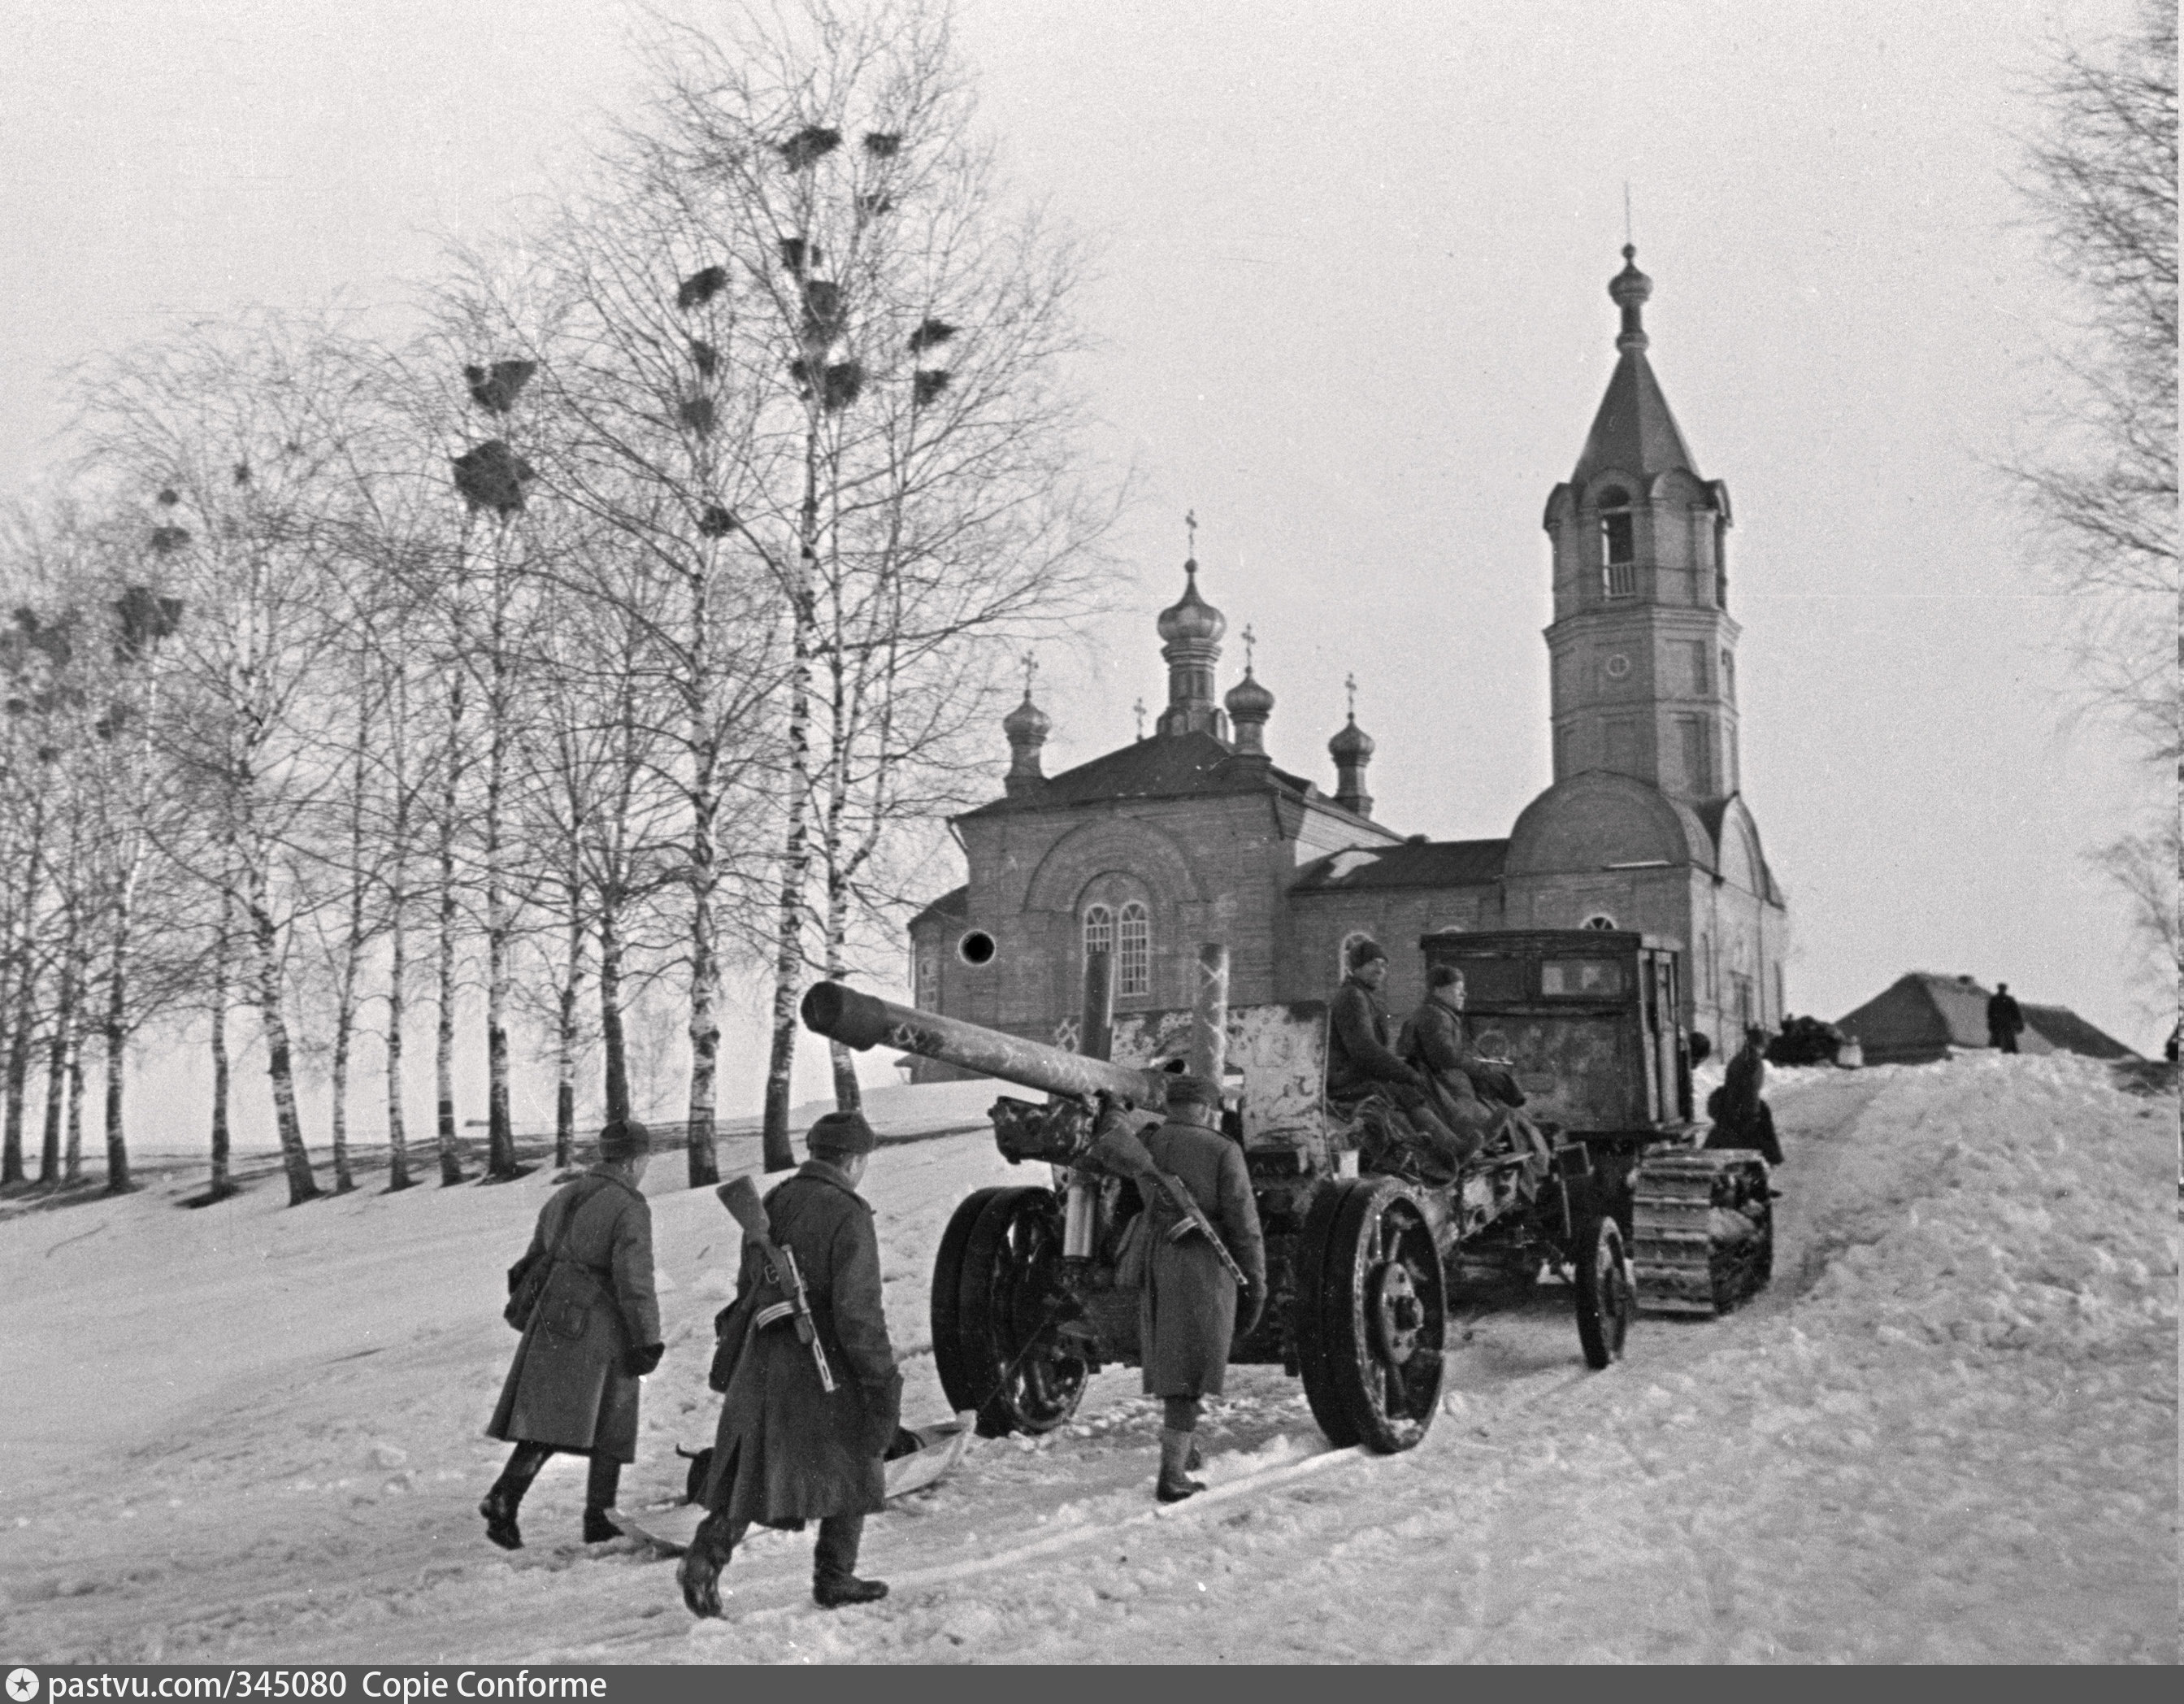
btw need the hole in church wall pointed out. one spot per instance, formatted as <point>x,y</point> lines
<point>976,948</point>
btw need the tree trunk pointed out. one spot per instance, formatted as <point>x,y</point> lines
<point>19,1069</point>
<point>611,1033</point>
<point>848,1096</point>
<point>565,1077</point>
<point>500,1137</point>
<point>705,948</point>
<point>49,1153</point>
<point>72,1155</point>
<point>344,1025</point>
<point>796,852</point>
<point>221,997</point>
<point>444,1043</point>
<point>280,1065</point>
<point>397,973</point>
<point>117,1048</point>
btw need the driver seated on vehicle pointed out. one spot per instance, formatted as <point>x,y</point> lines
<point>1475,1097</point>
<point>1362,1065</point>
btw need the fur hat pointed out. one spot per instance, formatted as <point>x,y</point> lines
<point>1444,976</point>
<point>1364,953</point>
<point>624,1138</point>
<point>1189,1091</point>
<point>840,1135</point>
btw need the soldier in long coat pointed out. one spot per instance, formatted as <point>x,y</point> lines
<point>1361,1059</point>
<point>594,1334</point>
<point>1187,1315</point>
<point>1476,1099</point>
<point>1741,1118</point>
<point>787,1450</point>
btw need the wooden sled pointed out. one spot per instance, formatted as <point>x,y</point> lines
<point>670,1527</point>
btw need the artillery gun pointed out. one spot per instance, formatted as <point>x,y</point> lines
<point>1361,1262</point>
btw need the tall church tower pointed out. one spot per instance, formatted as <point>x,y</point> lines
<point>1642,650</point>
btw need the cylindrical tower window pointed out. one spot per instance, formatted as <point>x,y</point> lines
<point>1134,959</point>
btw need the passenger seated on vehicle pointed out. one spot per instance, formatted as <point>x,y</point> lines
<point>1360,1064</point>
<point>1476,1097</point>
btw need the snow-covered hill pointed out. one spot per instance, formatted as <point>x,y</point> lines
<point>1948,1432</point>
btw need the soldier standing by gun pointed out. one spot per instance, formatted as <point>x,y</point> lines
<point>789,1451</point>
<point>1188,1313</point>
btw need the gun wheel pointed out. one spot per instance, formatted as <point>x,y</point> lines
<point>996,1299</point>
<point>1371,1315</point>
<point>1607,1293</point>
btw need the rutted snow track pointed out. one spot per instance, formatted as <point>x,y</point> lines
<point>297,1479</point>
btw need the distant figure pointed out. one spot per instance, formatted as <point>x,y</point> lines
<point>2169,1047</point>
<point>593,1332</point>
<point>2005,1022</point>
<point>789,1451</point>
<point>1741,1118</point>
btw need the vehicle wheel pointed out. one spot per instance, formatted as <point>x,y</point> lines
<point>957,1367</point>
<point>1606,1295</point>
<point>1007,1300</point>
<point>1371,1315</point>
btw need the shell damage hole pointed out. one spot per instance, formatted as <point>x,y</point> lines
<point>976,948</point>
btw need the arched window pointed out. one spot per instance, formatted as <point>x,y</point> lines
<point>1600,920</point>
<point>927,998</point>
<point>1618,543</point>
<point>1099,930</point>
<point>1134,959</point>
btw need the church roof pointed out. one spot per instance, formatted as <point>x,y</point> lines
<point>1714,812</point>
<point>1414,864</point>
<point>1634,433</point>
<point>1165,767</point>
<point>953,904</point>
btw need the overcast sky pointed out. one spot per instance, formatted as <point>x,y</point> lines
<point>1350,305</point>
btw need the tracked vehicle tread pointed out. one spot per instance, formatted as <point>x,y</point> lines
<point>1684,1262</point>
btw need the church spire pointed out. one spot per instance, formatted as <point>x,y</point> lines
<point>1027,727</point>
<point>1250,705</point>
<point>1190,630</point>
<point>1634,433</point>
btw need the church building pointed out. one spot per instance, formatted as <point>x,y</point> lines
<point>1191,834</point>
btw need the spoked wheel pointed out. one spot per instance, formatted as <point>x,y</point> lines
<point>1371,1315</point>
<point>997,1297</point>
<point>1607,1293</point>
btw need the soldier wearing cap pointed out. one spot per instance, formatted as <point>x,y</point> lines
<point>787,1450</point>
<point>1361,1059</point>
<point>1188,1313</point>
<point>593,1332</point>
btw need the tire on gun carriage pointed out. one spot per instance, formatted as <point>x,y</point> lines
<point>992,1282</point>
<point>1371,1315</point>
<point>1606,1292</point>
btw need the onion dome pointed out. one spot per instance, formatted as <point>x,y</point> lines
<point>1026,724</point>
<point>1191,620</point>
<point>1248,701</point>
<point>1351,746</point>
<point>1630,290</point>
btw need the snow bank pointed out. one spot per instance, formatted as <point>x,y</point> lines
<point>250,1433</point>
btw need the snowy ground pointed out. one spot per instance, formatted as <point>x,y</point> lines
<point>1948,1432</point>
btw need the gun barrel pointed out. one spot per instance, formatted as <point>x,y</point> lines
<point>859,1021</point>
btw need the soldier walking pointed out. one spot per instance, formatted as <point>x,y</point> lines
<point>1188,1313</point>
<point>592,1334</point>
<point>789,1451</point>
<point>1742,1119</point>
<point>2005,1022</point>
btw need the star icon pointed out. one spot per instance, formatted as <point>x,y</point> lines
<point>22,1685</point>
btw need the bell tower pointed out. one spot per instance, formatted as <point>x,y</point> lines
<point>1642,650</point>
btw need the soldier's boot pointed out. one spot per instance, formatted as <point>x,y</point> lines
<point>835,1582</point>
<point>699,1572</point>
<point>506,1496</point>
<point>600,1489</point>
<point>1175,1481</point>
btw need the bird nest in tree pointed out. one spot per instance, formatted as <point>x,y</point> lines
<point>930,335</point>
<point>697,413</point>
<point>495,389</point>
<point>491,475</point>
<point>701,287</point>
<point>882,144</point>
<point>704,357</point>
<point>838,386</point>
<point>809,146</point>
<point>716,522</point>
<point>926,386</point>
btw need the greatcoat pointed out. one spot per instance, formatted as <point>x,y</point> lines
<point>1359,1058</point>
<point>1186,1313</point>
<point>570,1386</point>
<point>788,1452</point>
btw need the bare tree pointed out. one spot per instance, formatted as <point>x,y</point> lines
<point>2101,181</point>
<point>894,341</point>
